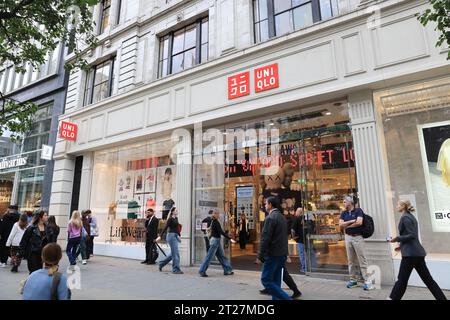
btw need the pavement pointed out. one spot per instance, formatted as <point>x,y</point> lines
<point>106,278</point>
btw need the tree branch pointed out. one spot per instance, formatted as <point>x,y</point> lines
<point>13,13</point>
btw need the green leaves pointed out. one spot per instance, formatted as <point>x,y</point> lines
<point>17,118</point>
<point>440,14</point>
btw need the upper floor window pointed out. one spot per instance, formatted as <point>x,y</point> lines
<point>277,17</point>
<point>40,129</point>
<point>99,82</point>
<point>105,18</point>
<point>184,48</point>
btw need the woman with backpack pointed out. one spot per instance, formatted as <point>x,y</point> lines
<point>14,239</point>
<point>74,230</point>
<point>173,238</point>
<point>47,283</point>
<point>413,254</point>
<point>35,238</point>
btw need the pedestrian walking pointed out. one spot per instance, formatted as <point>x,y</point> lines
<point>55,228</point>
<point>93,232</point>
<point>83,249</point>
<point>151,227</point>
<point>206,223</point>
<point>287,278</point>
<point>7,221</point>
<point>173,231</point>
<point>47,283</point>
<point>243,231</point>
<point>216,248</point>
<point>14,239</point>
<point>36,236</point>
<point>413,254</point>
<point>351,221</point>
<point>273,250</point>
<point>74,230</point>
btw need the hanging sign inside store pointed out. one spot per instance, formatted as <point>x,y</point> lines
<point>47,152</point>
<point>68,131</point>
<point>6,163</point>
<point>265,78</point>
<point>239,85</point>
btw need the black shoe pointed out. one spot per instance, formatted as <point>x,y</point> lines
<point>144,262</point>
<point>264,291</point>
<point>203,275</point>
<point>178,272</point>
<point>14,269</point>
<point>160,268</point>
<point>296,295</point>
<point>151,262</point>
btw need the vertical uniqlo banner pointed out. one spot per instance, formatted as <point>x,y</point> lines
<point>68,131</point>
<point>266,77</point>
<point>239,85</point>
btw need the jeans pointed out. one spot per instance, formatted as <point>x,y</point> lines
<point>174,253</point>
<point>82,249</point>
<point>271,277</point>
<point>406,266</point>
<point>72,248</point>
<point>216,249</point>
<point>312,256</point>
<point>356,255</point>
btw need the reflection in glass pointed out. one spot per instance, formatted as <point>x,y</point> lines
<point>303,16</point>
<point>283,23</point>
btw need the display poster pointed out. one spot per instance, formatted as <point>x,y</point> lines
<point>165,190</point>
<point>207,196</point>
<point>124,193</point>
<point>244,204</point>
<point>435,149</point>
<point>6,188</point>
<point>150,180</point>
<point>139,181</point>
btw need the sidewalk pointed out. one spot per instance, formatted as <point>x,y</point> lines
<point>113,278</point>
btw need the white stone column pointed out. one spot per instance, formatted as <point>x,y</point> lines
<point>86,181</point>
<point>184,193</point>
<point>371,180</point>
<point>61,197</point>
<point>226,31</point>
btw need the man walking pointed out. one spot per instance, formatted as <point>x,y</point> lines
<point>273,250</point>
<point>151,225</point>
<point>206,223</point>
<point>351,221</point>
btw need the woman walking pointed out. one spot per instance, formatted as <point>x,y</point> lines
<point>93,227</point>
<point>14,239</point>
<point>173,238</point>
<point>74,237</point>
<point>55,228</point>
<point>47,283</point>
<point>243,231</point>
<point>216,249</point>
<point>413,255</point>
<point>36,237</point>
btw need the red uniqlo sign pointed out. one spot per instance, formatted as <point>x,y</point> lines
<point>68,131</point>
<point>239,85</point>
<point>266,77</point>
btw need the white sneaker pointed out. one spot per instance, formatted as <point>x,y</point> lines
<point>83,262</point>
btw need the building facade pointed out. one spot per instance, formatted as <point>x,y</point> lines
<point>26,178</point>
<point>219,104</point>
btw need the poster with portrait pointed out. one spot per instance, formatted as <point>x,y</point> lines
<point>124,193</point>
<point>139,181</point>
<point>435,149</point>
<point>165,190</point>
<point>150,180</point>
<point>149,201</point>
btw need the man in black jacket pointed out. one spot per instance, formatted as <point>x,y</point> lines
<point>151,225</point>
<point>273,250</point>
<point>8,220</point>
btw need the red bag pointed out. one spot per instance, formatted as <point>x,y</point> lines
<point>179,228</point>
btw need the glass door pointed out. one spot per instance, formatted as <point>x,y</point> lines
<point>327,174</point>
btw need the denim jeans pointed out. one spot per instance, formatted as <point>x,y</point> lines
<point>216,249</point>
<point>271,277</point>
<point>174,253</point>
<point>72,248</point>
<point>312,256</point>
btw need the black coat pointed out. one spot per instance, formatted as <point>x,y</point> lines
<point>152,228</point>
<point>32,240</point>
<point>409,237</point>
<point>6,224</point>
<point>274,239</point>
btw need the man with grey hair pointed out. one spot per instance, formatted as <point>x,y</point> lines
<point>352,222</point>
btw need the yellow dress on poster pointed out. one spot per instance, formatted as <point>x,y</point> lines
<point>443,163</point>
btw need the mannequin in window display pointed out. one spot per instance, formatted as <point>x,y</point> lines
<point>167,193</point>
<point>244,232</point>
<point>443,163</point>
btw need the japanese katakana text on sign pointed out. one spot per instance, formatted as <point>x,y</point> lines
<point>239,85</point>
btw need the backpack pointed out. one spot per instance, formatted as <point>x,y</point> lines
<point>368,227</point>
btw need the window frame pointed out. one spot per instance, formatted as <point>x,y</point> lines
<point>104,8</point>
<point>89,87</point>
<point>198,23</point>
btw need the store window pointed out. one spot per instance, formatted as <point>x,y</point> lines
<point>99,82</point>
<point>315,169</point>
<point>105,16</point>
<point>126,182</point>
<point>415,122</point>
<point>30,188</point>
<point>183,48</point>
<point>273,18</point>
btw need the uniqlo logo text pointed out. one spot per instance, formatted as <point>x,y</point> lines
<point>239,85</point>
<point>266,77</point>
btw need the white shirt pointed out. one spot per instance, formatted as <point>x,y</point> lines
<point>15,236</point>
